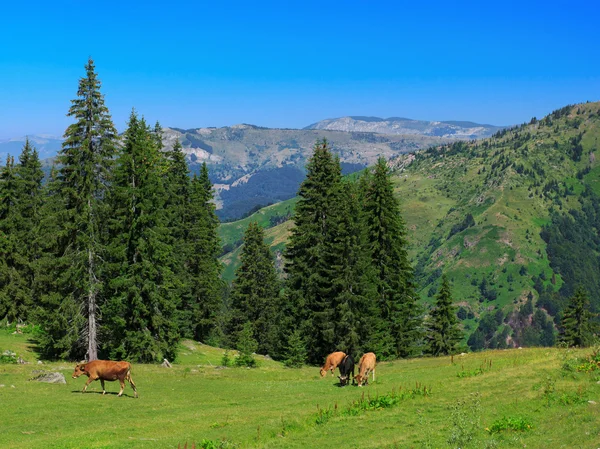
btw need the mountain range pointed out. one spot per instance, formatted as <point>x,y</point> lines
<point>47,146</point>
<point>406,126</point>
<point>252,166</point>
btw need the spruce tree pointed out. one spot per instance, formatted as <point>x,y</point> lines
<point>400,315</point>
<point>575,326</point>
<point>141,314</point>
<point>305,307</point>
<point>13,288</point>
<point>24,219</point>
<point>60,315</point>
<point>443,333</point>
<point>83,180</point>
<point>246,346</point>
<point>295,351</point>
<point>255,291</point>
<point>345,276</point>
<point>177,186</point>
<point>202,261</point>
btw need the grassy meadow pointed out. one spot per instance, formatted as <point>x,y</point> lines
<point>505,399</point>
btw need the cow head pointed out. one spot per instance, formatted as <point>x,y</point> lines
<point>358,378</point>
<point>79,370</point>
<point>323,372</point>
<point>343,380</point>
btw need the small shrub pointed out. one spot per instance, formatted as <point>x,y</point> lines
<point>246,346</point>
<point>466,420</point>
<point>226,359</point>
<point>324,415</point>
<point>8,357</point>
<point>590,363</point>
<point>511,423</point>
<point>296,351</point>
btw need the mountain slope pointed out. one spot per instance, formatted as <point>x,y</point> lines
<point>397,125</point>
<point>253,166</point>
<point>506,218</point>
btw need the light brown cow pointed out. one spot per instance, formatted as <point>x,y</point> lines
<point>105,370</point>
<point>365,366</point>
<point>331,362</point>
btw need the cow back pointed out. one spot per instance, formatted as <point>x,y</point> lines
<point>347,365</point>
<point>107,369</point>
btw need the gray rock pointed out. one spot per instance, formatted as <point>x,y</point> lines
<point>48,377</point>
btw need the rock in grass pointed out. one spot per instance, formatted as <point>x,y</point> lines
<point>48,377</point>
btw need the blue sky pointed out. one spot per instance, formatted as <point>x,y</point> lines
<point>289,64</point>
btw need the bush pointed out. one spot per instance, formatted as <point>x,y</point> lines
<point>8,357</point>
<point>518,424</point>
<point>226,359</point>
<point>296,351</point>
<point>246,346</point>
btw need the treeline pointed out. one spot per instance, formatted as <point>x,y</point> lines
<point>348,286</point>
<point>116,254</point>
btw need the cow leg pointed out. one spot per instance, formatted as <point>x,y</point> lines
<point>132,384</point>
<point>122,383</point>
<point>103,389</point>
<point>373,374</point>
<point>89,381</point>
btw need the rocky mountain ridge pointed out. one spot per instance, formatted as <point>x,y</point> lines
<point>399,125</point>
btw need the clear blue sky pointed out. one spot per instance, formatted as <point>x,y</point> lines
<point>289,64</point>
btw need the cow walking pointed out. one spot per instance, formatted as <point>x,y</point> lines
<point>331,362</point>
<point>105,370</point>
<point>366,365</point>
<point>346,367</point>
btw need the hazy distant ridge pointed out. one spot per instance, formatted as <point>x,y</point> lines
<point>399,125</point>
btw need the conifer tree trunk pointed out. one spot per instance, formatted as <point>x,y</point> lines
<point>92,327</point>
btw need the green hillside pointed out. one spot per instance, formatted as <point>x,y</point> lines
<point>476,211</point>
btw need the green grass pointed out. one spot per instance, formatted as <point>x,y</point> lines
<point>233,232</point>
<point>275,407</point>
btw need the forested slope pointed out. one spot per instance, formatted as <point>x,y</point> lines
<point>512,220</point>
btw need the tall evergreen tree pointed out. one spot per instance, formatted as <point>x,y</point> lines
<point>86,159</point>
<point>255,291</point>
<point>25,221</point>
<point>400,315</point>
<point>13,288</point>
<point>304,306</point>
<point>141,313</point>
<point>346,278</point>
<point>443,333</point>
<point>177,186</point>
<point>60,315</point>
<point>204,268</point>
<point>575,326</point>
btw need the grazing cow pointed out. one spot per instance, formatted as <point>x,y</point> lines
<point>105,370</point>
<point>332,362</point>
<point>346,367</point>
<point>366,365</point>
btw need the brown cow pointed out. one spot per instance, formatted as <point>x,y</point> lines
<point>105,370</point>
<point>365,366</point>
<point>332,362</point>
